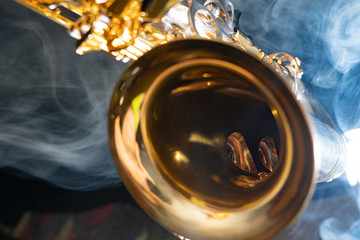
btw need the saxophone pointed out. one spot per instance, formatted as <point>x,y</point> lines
<point>214,138</point>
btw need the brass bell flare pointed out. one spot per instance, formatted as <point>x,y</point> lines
<point>173,120</point>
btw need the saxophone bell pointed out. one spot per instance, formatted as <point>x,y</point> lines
<point>169,123</point>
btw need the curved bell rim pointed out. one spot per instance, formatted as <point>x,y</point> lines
<point>169,119</point>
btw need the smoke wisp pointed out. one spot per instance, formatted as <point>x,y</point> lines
<point>54,103</point>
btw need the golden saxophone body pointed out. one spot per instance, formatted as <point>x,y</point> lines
<point>214,138</point>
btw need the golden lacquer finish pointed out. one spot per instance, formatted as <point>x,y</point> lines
<point>197,89</point>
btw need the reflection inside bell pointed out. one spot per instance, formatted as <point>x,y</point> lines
<point>239,154</point>
<point>192,120</point>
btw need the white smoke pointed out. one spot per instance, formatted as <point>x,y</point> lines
<point>53,103</point>
<point>342,34</point>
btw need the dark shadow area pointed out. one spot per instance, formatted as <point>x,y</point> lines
<point>32,194</point>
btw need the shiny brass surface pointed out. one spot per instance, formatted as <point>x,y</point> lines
<point>239,153</point>
<point>169,121</point>
<point>196,81</point>
<point>268,153</point>
<point>112,26</point>
<point>122,29</point>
